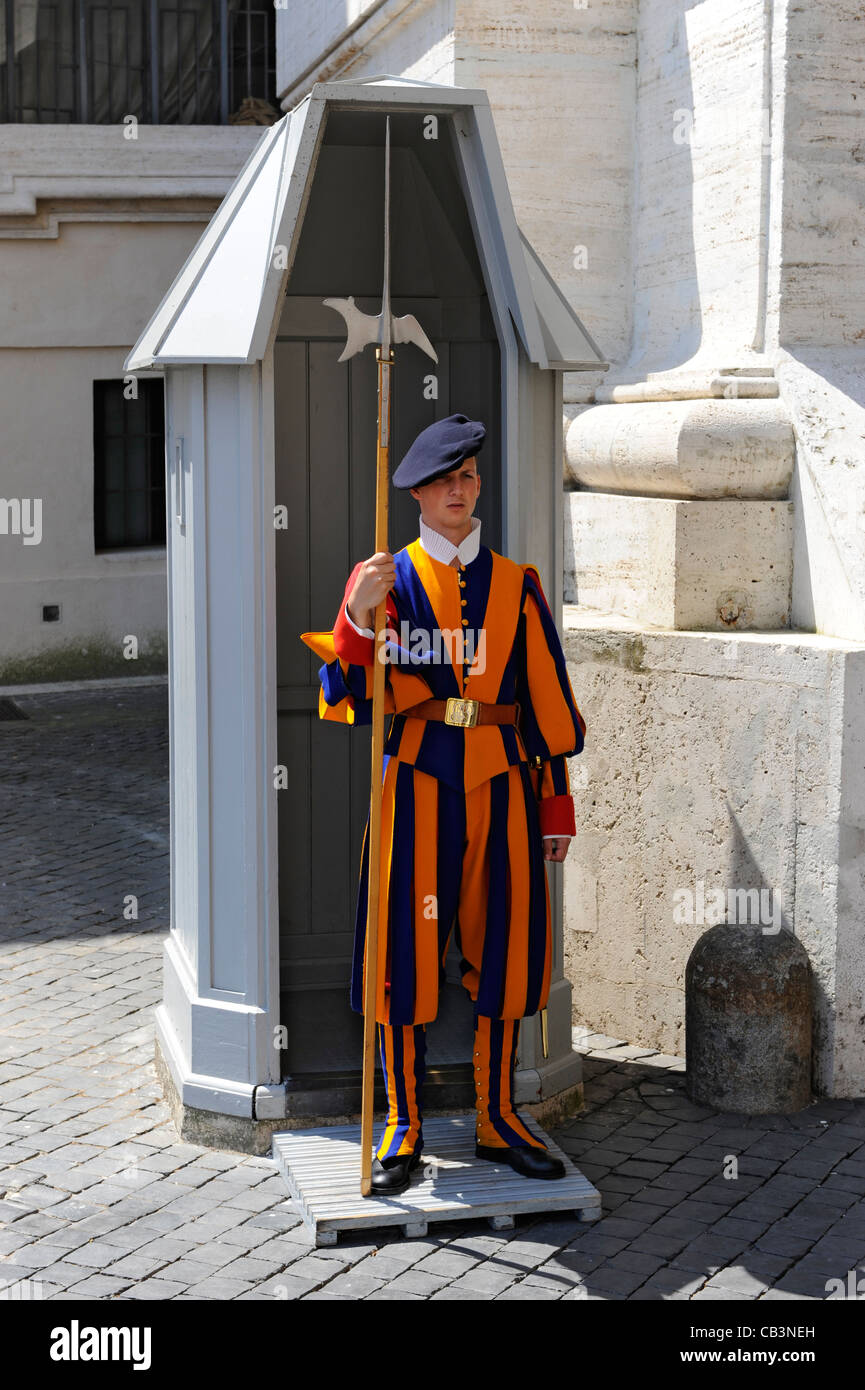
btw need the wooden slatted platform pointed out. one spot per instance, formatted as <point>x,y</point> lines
<point>322,1169</point>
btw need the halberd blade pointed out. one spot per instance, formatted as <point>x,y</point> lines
<point>382,328</point>
<point>407,330</point>
<point>361,328</point>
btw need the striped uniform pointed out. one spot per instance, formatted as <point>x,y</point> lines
<point>463,815</point>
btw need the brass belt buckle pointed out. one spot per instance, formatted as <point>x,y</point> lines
<point>462,713</point>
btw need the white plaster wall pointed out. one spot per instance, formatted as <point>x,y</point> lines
<point>46,400</point>
<point>93,230</point>
<point>97,284</point>
<point>70,309</point>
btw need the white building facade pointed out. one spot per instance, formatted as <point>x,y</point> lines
<point>113,157</point>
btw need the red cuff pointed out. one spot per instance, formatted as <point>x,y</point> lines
<point>348,644</point>
<point>557,815</point>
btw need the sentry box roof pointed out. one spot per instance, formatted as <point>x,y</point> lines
<point>223,303</point>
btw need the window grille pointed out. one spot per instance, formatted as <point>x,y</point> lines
<point>129,465</point>
<point>169,62</point>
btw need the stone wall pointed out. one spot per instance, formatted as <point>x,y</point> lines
<point>699,174</point>
<point>817,298</point>
<point>820,295</point>
<point>735,762</point>
<point>335,39</point>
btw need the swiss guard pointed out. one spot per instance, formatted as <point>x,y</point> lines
<point>475,793</point>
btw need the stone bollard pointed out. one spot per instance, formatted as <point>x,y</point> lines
<point>748,1021</point>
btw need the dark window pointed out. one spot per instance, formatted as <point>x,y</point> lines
<point>129,457</point>
<point>168,62</point>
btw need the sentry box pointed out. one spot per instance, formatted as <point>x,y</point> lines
<point>270,452</point>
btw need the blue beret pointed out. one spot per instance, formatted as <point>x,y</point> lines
<point>439,448</point>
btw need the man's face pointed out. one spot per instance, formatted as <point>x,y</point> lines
<point>446,503</point>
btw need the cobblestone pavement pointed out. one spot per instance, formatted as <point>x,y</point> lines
<point>98,1199</point>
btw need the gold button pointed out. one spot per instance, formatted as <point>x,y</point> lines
<point>465,622</point>
<point>462,583</point>
<point>463,602</point>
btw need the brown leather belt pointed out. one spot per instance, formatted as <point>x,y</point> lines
<point>465,714</point>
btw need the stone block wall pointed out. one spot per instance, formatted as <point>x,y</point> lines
<point>715,761</point>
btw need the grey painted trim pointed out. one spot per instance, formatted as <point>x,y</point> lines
<point>221,959</point>
<point>532,1084</point>
<point>395,78</point>
<point>269,1102</point>
<point>268,1066</point>
<point>196,1089</point>
<point>435,96</point>
<point>557,512</point>
<point>187,659</point>
<point>470,180</point>
<point>505,236</point>
<point>563,329</point>
<point>146,350</point>
<point>290,209</point>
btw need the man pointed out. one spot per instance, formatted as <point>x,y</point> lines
<point>475,792</point>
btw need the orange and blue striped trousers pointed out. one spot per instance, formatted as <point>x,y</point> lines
<point>403,1061</point>
<point>478,856</point>
<point>470,860</point>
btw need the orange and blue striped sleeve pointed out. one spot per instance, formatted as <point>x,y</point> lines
<point>552,724</point>
<point>347,674</point>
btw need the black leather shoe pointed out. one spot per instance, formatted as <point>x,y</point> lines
<point>529,1162</point>
<point>393,1175</point>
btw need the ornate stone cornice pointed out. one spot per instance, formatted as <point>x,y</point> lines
<point>95,173</point>
<point>50,212</point>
